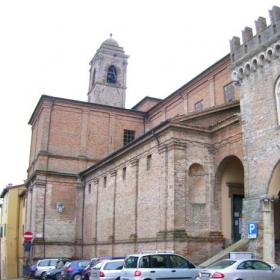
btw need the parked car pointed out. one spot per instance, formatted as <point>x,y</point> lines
<point>74,269</point>
<point>107,270</point>
<point>43,266</point>
<point>87,270</point>
<point>246,269</point>
<point>158,266</point>
<point>55,273</point>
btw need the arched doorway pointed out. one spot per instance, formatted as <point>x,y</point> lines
<point>274,194</point>
<point>228,197</point>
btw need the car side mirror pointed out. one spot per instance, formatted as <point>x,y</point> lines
<point>273,267</point>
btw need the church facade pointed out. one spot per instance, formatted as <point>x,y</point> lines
<point>185,173</point>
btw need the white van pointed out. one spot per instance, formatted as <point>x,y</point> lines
<point>158,266</point>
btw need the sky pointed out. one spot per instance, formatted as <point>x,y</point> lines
<point>46,47</point>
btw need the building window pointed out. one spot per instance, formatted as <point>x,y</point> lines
<point>112,75</point>
<point>229,93</point>
<point>105,182</point>
<point>124,173</point>
<point>89,188</point>
<point>277,99</point>
<point>149,162</point>
<point>128,136</point>
<point>198,106</point>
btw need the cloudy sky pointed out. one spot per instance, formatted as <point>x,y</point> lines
<point>46,46</point>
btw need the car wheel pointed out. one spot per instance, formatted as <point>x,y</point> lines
<point>44,275</point>
<point>58,276</point>
<point>77,277</point>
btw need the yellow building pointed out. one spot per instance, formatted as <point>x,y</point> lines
<point>12,229</point>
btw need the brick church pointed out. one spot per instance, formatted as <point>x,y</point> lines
<point>187,173</point>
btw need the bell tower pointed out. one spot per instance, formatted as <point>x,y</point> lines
<point>107,84</point>
<point>256,70</point>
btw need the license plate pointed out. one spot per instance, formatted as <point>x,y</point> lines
<point>205,276</point>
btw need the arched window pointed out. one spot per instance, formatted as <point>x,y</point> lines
<point>112,75</point>
<point>277,98</point>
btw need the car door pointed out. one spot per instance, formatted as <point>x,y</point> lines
<point>182,268</point>
<point>262,270</point>
<point>156,267</point>
<point>244,270</point>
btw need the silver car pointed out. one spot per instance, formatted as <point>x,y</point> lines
<point>43,266</point>
<point>158,266</point>
<point>246,269</point>
<point>107,270</point>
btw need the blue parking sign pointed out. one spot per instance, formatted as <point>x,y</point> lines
<point>252,230</point>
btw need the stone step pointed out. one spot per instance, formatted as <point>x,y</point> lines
<point>239,245</point>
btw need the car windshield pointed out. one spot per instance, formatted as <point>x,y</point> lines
<point>131,262</point>
<point>222,264</point>
<point>113,265</point>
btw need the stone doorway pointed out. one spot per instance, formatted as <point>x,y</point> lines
<point>274,196</point>
<point>229,194</point>
<point>277,228</point>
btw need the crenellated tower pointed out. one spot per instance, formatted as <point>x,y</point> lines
<point>256,69</point>
<point>107,83</point>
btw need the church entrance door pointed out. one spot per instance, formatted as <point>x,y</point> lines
<point>274,194</point>
<point>237,216</point>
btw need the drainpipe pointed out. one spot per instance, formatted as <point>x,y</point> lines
<point>83,213</point>
<point>156,137</point>
<point>17,236</point>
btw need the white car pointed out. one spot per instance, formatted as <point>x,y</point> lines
<point>155,266</point>
<point>107,270</point>
<point>43,266</point>
<point>243,269</point>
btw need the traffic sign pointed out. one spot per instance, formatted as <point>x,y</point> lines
<point>28,236</point>
<point>252,230</point>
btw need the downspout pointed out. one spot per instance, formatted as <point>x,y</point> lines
<point>156,137</point>
<point>83,213</point>
<point>17,238</point>
<point>46,180</point>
